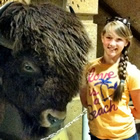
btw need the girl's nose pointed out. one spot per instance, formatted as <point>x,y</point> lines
<point>112,42</point>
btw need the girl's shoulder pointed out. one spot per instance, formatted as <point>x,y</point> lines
<point>92,63</point>
<point>132,69</point>
<point>133,76</point>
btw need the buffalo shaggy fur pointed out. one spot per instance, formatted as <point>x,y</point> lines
<point>41,61</point>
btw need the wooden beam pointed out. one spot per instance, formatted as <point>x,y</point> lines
<point>112,12</point>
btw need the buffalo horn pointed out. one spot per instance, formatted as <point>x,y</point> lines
<point>71,10</point>
<point>6,43</point>
<point>4,7</point>
<point>3,41</point>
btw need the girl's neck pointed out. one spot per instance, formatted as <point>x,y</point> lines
<point>107,60</point>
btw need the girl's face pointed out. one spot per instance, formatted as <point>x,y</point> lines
<point>113,44</point>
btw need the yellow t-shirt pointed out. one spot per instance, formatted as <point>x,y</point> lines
<point>109,120</point>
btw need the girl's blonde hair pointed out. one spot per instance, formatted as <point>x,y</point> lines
<point>123,30</point>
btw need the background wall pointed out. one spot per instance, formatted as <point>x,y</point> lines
<point>85,10</point>
<point>125,8</point>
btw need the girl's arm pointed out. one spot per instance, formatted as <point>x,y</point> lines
<point>83,96</point>
<point>135,110</point>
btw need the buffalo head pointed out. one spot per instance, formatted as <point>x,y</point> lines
<point>42,53</point>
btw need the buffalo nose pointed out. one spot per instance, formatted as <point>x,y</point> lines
<point>54,121</point>
<point>51,118</point>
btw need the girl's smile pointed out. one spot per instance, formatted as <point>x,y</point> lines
<point>113,46</point>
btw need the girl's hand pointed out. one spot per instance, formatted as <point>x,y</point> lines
<point>135,95</point>
<point>83,96</point>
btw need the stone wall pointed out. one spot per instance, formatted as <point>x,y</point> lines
<point>85,10</point>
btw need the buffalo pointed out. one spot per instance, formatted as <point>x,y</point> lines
<point>43,50</point>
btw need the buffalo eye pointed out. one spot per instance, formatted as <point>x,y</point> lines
<point>28,67</point>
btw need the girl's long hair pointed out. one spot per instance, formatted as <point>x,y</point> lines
<point>123,30</point>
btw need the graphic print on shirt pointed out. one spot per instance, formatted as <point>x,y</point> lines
<point>105,82</point>
<point>104,104</point>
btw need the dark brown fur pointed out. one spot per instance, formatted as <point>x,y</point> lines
<point>55,44</point>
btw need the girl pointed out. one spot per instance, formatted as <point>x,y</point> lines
<point>108,82</point>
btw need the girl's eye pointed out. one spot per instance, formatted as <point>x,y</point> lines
<point>119,39</point>
<point>108,37</point>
